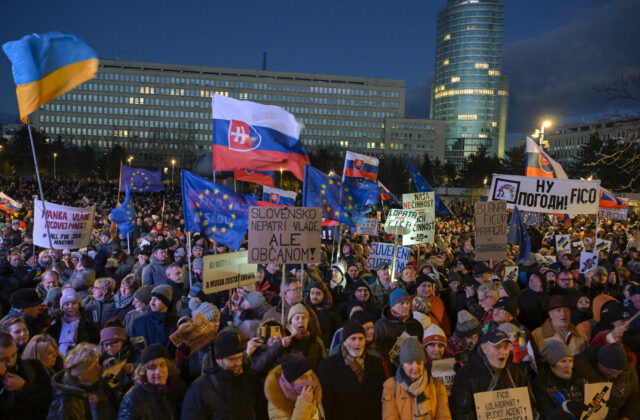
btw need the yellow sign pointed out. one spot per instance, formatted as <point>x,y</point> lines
<point>227,271</point>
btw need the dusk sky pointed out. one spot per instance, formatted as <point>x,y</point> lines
<point>555,52</point>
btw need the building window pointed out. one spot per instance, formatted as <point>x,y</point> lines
<point>447,37</point>
<point>482,65</point>
<point>467,117</point>
<point>455,79</point>
<point>445,62</point>
<point>494,72</point>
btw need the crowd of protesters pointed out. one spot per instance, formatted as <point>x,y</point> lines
<point>85,333</point>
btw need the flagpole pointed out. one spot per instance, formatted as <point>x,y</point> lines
<point>189,256</point>
<point>44,208</point>
<point>162,214</point>
<point>282,293</point>
<point>395,252</point>
<point>128,244</point>
<point>595,239</point>
<point>119,184</point>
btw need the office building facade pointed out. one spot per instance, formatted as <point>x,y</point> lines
<point>161,112</point>
<point>469,91</point>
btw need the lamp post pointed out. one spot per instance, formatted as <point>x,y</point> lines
<point>545,123</point>
<point>55,155</point>
<point>173,166</point>
<point>129,159</point>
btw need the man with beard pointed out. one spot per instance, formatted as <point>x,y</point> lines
<point>321,301</point>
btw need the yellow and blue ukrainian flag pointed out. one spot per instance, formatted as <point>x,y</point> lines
<point>48,65</point>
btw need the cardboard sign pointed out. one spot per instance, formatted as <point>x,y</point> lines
<point>618,214</point>
<point>548,259</point>
<point>595,397</point>
<point>425,227</point>
<point>546,195</point>
<point>588,261</point>
<point>603,245</point>
<point>511,273</point>
<point>394,352</point>
<point>383,252</point>
<point>195,333</point>
<point>490,230</point>
<point>70,227</point>
<point>284,235</point>
<point>111,373</point>
<point>370,227</point>
<point>400,222</point>
<point>577,245</point>
<point>563,243</point>
<point>512,403</point>
<point>227,271</point>
<point>443,370</point>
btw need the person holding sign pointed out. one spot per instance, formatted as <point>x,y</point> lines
<point>413,393</point>
<point>490,370</point>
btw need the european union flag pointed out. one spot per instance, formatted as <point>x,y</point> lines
<point>518,235</point>
<point>140,180</point>
<point>124,216</point>
<point>423,186</point>
<point>321,190</point>
<point>214,211</point>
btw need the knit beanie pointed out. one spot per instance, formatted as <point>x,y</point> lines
<point>195,289</point>
<point>69,295</point>
<point>143,294</point>
<point>164,292</point>
<point>153,352</point>
<point>298,308</point>
<point>467,325</point>
<point>554,350</point>
<point>294,365</point>
<point>227,344</point>
<point>351,327</point>
<point>612,356</point>
<point>209,311</point>
<point>398,295</point>
<point>255,299</point>
<point>411,350</point>
<point>434,334</point>
<point>363,317</point>
<point>25,298</point>
<point>112,333</point>
<point>198,264</point>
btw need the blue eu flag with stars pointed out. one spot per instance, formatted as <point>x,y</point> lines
<point>140,180</point>
<point>423,186</point>
<point>124,216</point>
<point>214,211</point>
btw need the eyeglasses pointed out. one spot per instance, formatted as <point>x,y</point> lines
<point>296,290</point>
<point>112,343</point>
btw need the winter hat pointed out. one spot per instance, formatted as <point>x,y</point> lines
<point>198,264</point>
<point>53,295</point>
<point>554,350</point>
<point>362,317</point>
<point>351,327</point>
<point>298,308</point>
<point>255,299</point>
<point>195,289</point>
<point>179,252</point>
<point>512,288</point>
<point>76,255</point>
<point>25,298</point>
<point>69,295</point>
<point>153,352</point>
<point>508,328</point>
<point>411,350</point>
<point>494,336</point>
<point>164,292</point>
<point>434,334</point>
<point>507,304</point>
<point>209,311</point>
<point>294,365</point>
<point>558,301</point>
<point>113,333</point>
<point>398,295</point>
<point>227,344</point>
<point>616,311</point>
<point>143,294</point>
<point>467,325</point>
<point>612,356</point>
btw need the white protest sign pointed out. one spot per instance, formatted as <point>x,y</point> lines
<point>443,370</point>
<point>70,227</point>
<point>370,227</point>
<point>511,273</point>
<point>546,195</point>
<point>563,243</point>
<point>549,259</point>
<point>595,397</point>
<point>612,213</point>
<point>283,235</point>
<point>512,403</point>
<point>578,245</point>
<point>400,222</point>
<point>227,271</point>
<point>588,261</point>
<point>603,245</point>
<point>424,229</point>
<point>382,252</point>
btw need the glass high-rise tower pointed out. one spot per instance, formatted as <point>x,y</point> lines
<point>469,91</point>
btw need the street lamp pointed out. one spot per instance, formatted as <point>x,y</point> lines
<point>129,159</point>
<point>173,166</point>
<point>545,124</point>
<point>55,155</point>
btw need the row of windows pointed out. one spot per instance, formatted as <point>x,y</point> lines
<point>164,80</point>
<point>456,92</point>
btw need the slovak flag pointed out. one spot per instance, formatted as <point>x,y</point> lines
<point>8,204</point>
<point>257,177</point>
<point>249,135</point>
<point>540,164</point>
<point>275,197</point>
<point>610,201</point>
<point>361,166</point>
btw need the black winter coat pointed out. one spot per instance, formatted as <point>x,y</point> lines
<point>545,387</point>
<point>343,396</point>
<point>71,402</point>
<point>533,308</point>
<point>476,376</point>
<point>145,402</point>
<point>32,400</point>
<point>222,396</point>
<point>388,328</point>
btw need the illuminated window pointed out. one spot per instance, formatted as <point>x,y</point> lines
<point>447,37</point>
<point>445,62</point>
<point>482,136</point>
<point>494,124</point>
<point>494,72</point>
<point>482,65</point>
<point>455,79</point>
<point>467,117</point>
<point>502,92</point>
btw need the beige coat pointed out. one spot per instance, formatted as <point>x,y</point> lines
<point>282,408</point>
<point>546,332</point>
<point>400,405</point>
